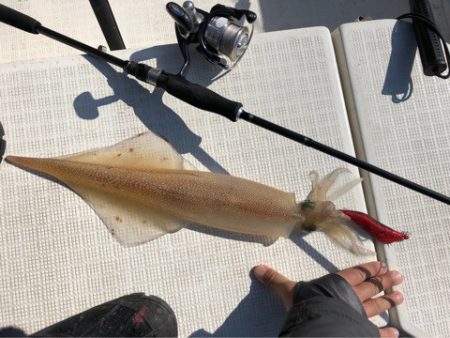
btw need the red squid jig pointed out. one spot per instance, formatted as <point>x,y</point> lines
<point>379,231</point>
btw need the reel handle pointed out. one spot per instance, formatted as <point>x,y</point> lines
<point>180,16</point>
<point>199,96</point>
<point>19,20</point>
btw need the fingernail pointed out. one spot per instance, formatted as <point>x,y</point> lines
<point>383,267</point>
<point>398,297</point>
<point>260,270</point>
<point>396,276</point>
<point>395,332</point>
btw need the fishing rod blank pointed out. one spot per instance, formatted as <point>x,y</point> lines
<point>306,141</point>
<point>205,99</point>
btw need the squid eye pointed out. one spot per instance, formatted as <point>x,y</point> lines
<point>307,205</point>
<point>310,227</point>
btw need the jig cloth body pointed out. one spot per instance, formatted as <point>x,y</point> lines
<point>142,188</point>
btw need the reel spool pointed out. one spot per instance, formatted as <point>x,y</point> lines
<point>222,36</point>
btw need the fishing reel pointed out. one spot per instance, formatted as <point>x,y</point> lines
<point>222,36</point>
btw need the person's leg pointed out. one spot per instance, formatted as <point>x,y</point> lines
<point>335,304</point>
<point>11,331</point>
<point>135,315</point>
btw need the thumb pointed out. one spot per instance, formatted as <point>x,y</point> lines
<point>281,285</point>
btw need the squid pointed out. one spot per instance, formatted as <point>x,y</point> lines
<point>141,189</point>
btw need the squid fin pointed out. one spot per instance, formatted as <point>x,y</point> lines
<point>145,151</point>
<point>130,222</point>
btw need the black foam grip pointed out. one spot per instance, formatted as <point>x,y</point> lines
<point>199,96</point>
<point>18,20</point>
<point>428,42</point>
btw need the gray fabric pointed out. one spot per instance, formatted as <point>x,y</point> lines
<point>327,307</point>
<point>331,285</point>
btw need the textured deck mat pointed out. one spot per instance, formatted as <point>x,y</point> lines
<point>58,259</point>
<point>404,121</point>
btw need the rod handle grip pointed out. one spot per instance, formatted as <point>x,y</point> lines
<point>428,42</point>
<point>199,96</point>
<point>19,20</point>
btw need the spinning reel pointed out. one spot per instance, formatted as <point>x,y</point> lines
<point>222,36</point>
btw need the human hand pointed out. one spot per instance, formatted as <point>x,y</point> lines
<point>366,280</point>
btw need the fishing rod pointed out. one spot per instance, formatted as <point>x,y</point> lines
<point>223,41</point>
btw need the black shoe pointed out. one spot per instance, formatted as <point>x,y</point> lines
<point>2,143</point>
<point>135,315</point>
<point>12,332</point>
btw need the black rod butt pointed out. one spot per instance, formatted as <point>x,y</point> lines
<point>108,24</point>
<point>428,42</point>
<point>19,20</point>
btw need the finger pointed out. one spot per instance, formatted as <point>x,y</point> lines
<point>378,305</point>
<point>358,274</point>
<point>375,285</point>
<point>388,332</point>
<point>275,281</point>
